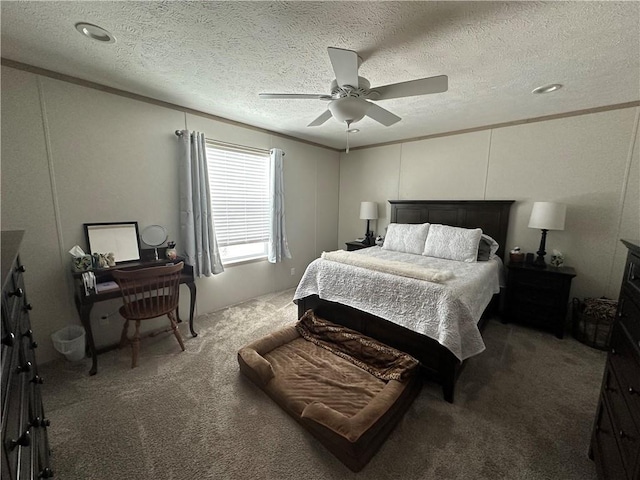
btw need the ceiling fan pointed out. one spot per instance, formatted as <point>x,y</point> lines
<point>351,95</point>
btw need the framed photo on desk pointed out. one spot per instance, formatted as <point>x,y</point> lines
<point>121,238</point>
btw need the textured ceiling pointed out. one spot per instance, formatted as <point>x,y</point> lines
<point>217,56</point>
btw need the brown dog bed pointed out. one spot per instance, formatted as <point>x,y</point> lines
<point>347,389</point>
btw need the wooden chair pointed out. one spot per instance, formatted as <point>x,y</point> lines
<point>148,293</point>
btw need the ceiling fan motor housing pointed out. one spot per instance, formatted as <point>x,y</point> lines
<point>362,90</point>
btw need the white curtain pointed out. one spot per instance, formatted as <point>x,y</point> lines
<point>197,233</point>
<point>278,247</point>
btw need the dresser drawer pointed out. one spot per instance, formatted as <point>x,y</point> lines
<point>9,369</point>
<point>629,315</point>
<point>27,341</point>
<point>16,435</point>
<point>605,446</point>
<point>40,444</point>
<point>626,364</point>
<point>13,299</point>
<point>632,274</point>
<point>624,427</point>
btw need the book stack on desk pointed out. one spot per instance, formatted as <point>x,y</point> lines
<point>106,286</point>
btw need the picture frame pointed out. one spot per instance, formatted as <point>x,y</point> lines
<point>120,238</point>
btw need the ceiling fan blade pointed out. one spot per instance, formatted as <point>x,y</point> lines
<point>321,119</point>
<point>379,114</point>
<point>422,86</point>
<point>295,96</point>
<point>345,66</point>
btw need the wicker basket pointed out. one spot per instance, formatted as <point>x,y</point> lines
<point>592,321</point>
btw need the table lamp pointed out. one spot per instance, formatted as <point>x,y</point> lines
<point>368,212</point>
<point>546,216</point>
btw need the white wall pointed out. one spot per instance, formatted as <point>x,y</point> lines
<point>72,155</point>
<point>590,162</point>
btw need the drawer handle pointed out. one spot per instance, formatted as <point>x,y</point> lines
<point>9,339</point>
<point>40,422</point>
<point>24,440</point>
<point>21,269</point>
<point>46,473</point>
<point>18,292</point>
<point>29,334</point>
<point>27,307</point>
<point>626,436</point>
<point>633,391</point>
<point>37,379</point>
<point>613,351</point>
<point>24,368</point>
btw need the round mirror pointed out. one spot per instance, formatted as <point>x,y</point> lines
<point>154,235</point>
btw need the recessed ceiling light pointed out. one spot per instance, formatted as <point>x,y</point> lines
<point>95,32</point>
<point>353,130</point>
<point>547,88</point>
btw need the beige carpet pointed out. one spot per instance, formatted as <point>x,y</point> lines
<point>524,410</point>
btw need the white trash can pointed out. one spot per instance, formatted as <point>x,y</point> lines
<point>70,341</point>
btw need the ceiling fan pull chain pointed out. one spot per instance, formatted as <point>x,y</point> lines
<point>347,151</point>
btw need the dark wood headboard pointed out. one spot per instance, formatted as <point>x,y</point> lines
<point>492,216</point>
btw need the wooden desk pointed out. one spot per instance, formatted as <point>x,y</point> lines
<point>84,303</point>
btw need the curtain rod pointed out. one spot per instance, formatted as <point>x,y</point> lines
<point>230,145</point>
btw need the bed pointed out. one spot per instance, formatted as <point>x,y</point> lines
<point>440,363</point>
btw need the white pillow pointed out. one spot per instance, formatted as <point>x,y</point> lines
<point>405,237</point>
<point>453,243</point>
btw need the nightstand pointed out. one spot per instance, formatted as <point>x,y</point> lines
<point>538,296</point>
<point>351,246</point>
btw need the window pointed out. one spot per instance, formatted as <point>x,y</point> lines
<point>239,184</point>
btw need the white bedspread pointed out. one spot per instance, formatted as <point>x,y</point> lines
<point>447,312</point>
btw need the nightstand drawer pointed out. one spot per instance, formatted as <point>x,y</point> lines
<point>539,298</point>
<point>538,282</point>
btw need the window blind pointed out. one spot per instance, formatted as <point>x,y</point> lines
<point>239,184</point>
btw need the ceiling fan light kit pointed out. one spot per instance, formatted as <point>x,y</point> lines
<point>351,95</point>
<point>349,109</point>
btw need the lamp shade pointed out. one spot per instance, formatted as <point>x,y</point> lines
<point>368,210</point>
<point>548,216</point>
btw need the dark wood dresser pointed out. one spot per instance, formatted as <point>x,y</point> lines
<point>538,296</point>
<point>615,441</point>
<point>25,447</point>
